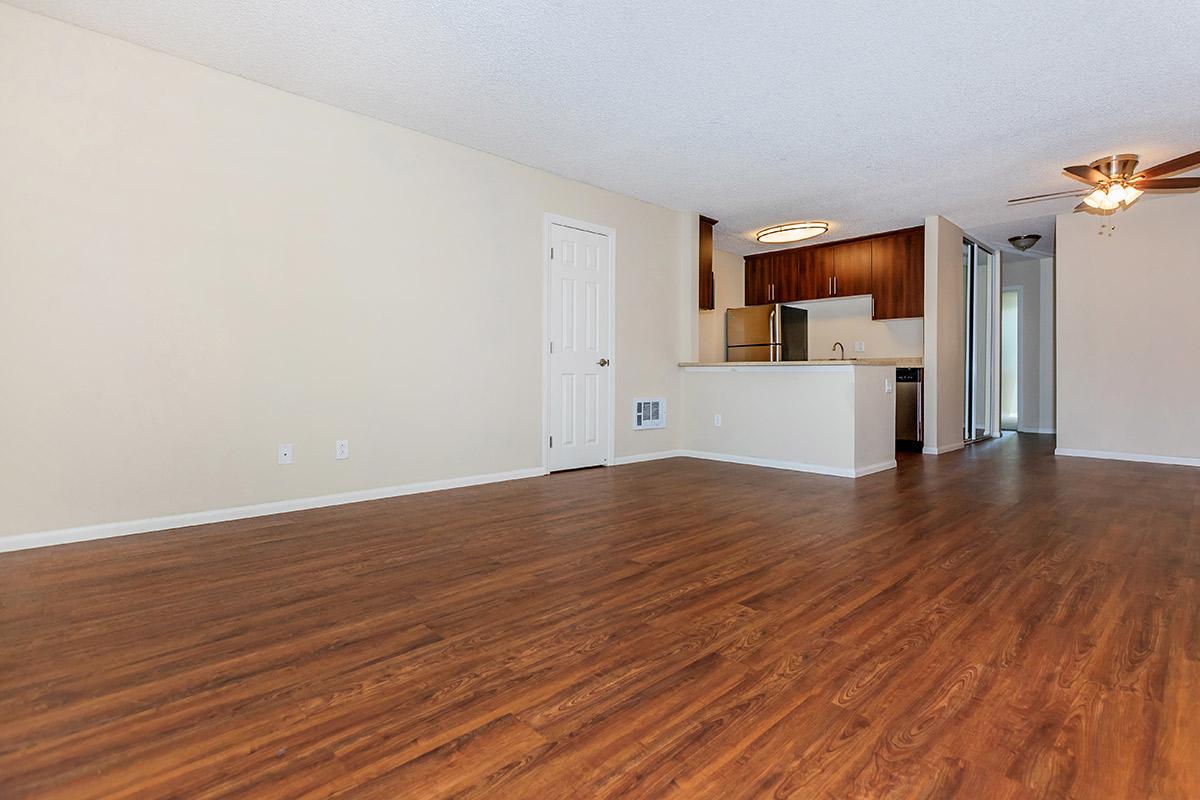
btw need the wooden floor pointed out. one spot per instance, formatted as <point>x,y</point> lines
<point>994,623</point>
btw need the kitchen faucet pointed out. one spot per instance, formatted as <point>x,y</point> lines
<point>836,345</point>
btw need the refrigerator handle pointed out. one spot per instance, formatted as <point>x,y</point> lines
<point>772,321</point>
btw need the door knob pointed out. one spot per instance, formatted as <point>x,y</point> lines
<point>603,362</point>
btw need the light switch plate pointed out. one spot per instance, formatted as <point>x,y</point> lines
<point>887,385</point>
<point>716,420</point>
<point>285,453</point>
<point>860,347</point>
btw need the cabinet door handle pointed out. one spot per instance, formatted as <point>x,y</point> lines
<point>831,287</point>
<point>835,284</point>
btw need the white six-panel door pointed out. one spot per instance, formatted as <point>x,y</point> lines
<point>579,341</point>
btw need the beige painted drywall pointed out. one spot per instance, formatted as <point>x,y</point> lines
<point>195,268</point>
<point>729,292</point>
<point>848,320</point>
<point>838,418</point>
<point>1035,383</point>
<point>1128,335</point>
<point>944,340</point>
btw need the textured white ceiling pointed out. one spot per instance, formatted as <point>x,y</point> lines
<point>868,114</point>
<point>997,234</point>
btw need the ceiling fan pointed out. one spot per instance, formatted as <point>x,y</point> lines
<point>1115,182</point>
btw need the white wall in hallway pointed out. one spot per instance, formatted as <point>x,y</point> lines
<point>1035,277</point>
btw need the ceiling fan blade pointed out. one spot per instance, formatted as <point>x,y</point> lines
<point>1080,207</point>
<point>1158,184</point>
<point>1189,161</point>
<point>1086,174</point>
<point>1036,197</point>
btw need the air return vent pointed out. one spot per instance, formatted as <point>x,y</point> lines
<point>649,412</point>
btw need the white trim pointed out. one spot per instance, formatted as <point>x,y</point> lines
<point>1117,456</point>
<point>24,541</point>
<point>770,463</point>
<point>753,367</point>
<point>640,457</point>
<point>795,466</point>
<point>1034,430</point>
<point>871,469</point>
<point>549,219</point>
<point>946,448</point>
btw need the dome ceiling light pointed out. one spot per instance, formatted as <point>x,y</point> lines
<point>1025,242</point>
<point>791,232</point>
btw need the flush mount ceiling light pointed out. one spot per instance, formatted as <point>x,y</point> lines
<point>1025,242</point>
<point>791,232</point>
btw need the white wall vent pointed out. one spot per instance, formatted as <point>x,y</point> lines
<point>649,412</point>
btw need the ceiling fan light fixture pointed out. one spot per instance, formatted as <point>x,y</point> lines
<point>1132,193</point>
<point>1025,242</point>
<point>791,232</point>
<point>1106,198</point>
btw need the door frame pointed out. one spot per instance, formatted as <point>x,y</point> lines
<point>992,368</point>
<point>549,219</point>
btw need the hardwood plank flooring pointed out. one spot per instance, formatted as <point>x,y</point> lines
<point>994,623</point>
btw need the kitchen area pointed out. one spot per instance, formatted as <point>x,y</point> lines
<point>810,357</point>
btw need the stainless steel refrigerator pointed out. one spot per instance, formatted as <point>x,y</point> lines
<point>766,333</point>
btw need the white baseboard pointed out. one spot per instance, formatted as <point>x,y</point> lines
<point>946,448</point>
<point>1117,456</point>
<point>794,466</point>
<point>882,466</point>
<point>25,541</point>
<point>1035,430</point>
<point>639,457</point>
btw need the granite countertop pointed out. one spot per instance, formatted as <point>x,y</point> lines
<point>911,361</point>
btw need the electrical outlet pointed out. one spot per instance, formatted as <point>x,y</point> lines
<point>341,449</point>
<point>716,420</point>
<point>285,453</point>
<point>860,347</point>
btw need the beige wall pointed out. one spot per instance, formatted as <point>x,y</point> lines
<point>848,320</point>
<point>730,292</point>
<point>944,340</point>
<point>1035,380</point>
<point>1128,338</point>
<point>836,419</point>
<point>195,268</point>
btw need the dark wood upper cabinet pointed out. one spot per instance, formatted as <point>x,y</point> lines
<point>851,268</point>
<point>888,266</point>
<point>898,274</point>
<point>785,277</point>
<point>817,281</point>
<point>708,282</point>
<point>758,279</point>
